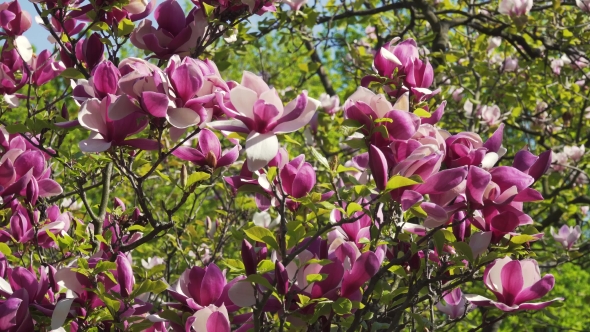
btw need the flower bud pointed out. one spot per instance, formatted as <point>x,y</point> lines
<point>282,278</point>
<point>125,276</point>
<point>249,257</point>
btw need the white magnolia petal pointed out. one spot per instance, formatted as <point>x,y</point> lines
<point>182,117</point>
<point>60,313</point>
<point>260,149</point>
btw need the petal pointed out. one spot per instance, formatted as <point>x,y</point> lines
<point>479,242</point>
<point>538,306</point>
<point>94,145</point>
<point>335,272</point>
<point>541,166</point>
<point>208,142</point>
<point>49,188</point>
<point>477,182</point>
<point>512,281</point>
<point>365,267</point>
<point>537,290</point>
<point>494,143</point>
<point>304,181</point>
<point>212,285</point>
<point>443,181</point>
<point>121,108</point>
<point>254,82</point>
<point>217,322</point>
<point>242,294</point>
<point>155,103</point>
<point>229,125</point>
<point>182,117</point>
<point>303,119</point>
<point>91,116</point>
<point>379,167</point>
<point>24,48</point>
<point>60,313</point>
<point>243,100</point>
<point>229,157</point>
<point>260,149</point>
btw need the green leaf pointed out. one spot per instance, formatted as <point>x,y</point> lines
<point>103,266</point>
<point>271,174</point>
<point>313,277</point>
<point>72,73</point>
<point>197,177</point>
<point>149,286</point>
<point>342,306</point>
<point>439,240</point>
<point>523,238</point>
<point>125,27</point>
<point>353,207</point>
<point>464,249</point>
<point>342,169</point>
<point>262,234</point>
<point>260,280</point>
<point>291,140</point>
<point>320,158</point>
<point>398,181</point>
<point>208,9</point>
<point>234,264</point>
<point>265,265</point>
<point>422,113</point>
<point>17,128</point>
<point>303,67</point>
<point>5,249</point>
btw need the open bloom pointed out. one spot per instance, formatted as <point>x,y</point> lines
<point>258,111</point>
<point>45,68</point>
<point>208,152</point>
<point>515,8</point>
<point>105,132</point>
<point>567,235</point>
<point>14,21</point>
<point>175,34</point>
<point>491,115</point>
<point>575,153</point>
<point>515,283</point>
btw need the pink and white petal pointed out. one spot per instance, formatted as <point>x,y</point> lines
<point>261,149</point>
<point>479,242</point>
<point>200,319</point>
<point>24,48</point>
<point>229,125</point>
<point>49,188</point>
<point>302,120</point>
<point>90,116</point>
<point>217,322</point>
<point>121,108</point>
<point>60,313</point>
<point>478,300</point>
<point>536,290</point>
<point>254,83</point>
<point>182,117</point>
<point>538,306</point>
<point>242,294</point>
<point>402,103</point>
<point>12,101</point>
<point>94,145</point>
<point>272,97</point>
<point>243,100</point>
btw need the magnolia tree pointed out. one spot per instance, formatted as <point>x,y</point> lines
<point>145,190</point>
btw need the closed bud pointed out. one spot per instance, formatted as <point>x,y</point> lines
<point>211,159</point>
<point>119,203</point>
<point>125,276</point>
<point>64,112</point>
<point>282,278</point>
<point>249,257</point>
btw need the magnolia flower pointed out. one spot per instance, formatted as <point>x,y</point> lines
<point>125,276</point>
<point>456,305</point>
<point>330,103</point>
<point>510,64</point>
<point>45,68</point>
<point>151,262</point>
<point>297,177</point>
<point>559,161</point>
<point>370,32</point>
<point>567,235</point>
<point>263,219</point>
<point>457,94</point>
<point>584,5</point>
<point>14,20</point>
<point>208,152</point>
<point>584,209</point>
<point>575,153</point>
<point>295,4</point>
<point>258,111</point>
<point>491,115</point>
<point>493,42</point>
<point>210,319</point>
<point>515,8</point>
<point>514,283</point>
<point>175,34</point>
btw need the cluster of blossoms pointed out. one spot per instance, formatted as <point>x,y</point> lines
<point>562,159</point>
<point>442,180</point>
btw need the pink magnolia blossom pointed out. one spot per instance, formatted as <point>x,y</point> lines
<point>208,152</point>
<point>491,115</point>
<point>175,34</point>
<point>559,161</point>
<point>567,235</point>
<point>515,8</point>
<point>584,5</point>
<point>584,209</point>
<point>510,64</point>
<point>106,132</point>
<point>575,153</point>
<point>257,110</point>
<point>45,68</point>
<point>13,20</point>
<point>515,283</point>
<point>330,104</point>
<point>455,304</point>
<point>457,94</point>
<point>493,43</point>
<point>295,4</point>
